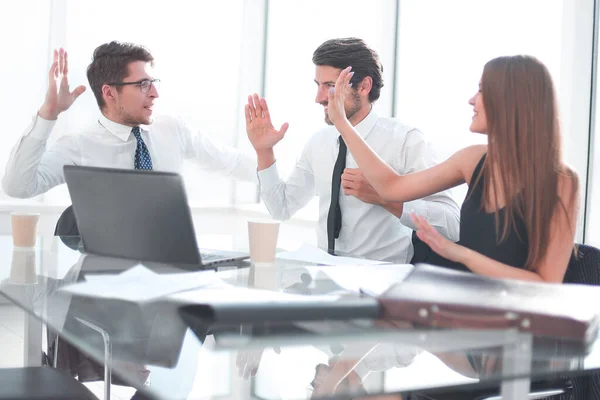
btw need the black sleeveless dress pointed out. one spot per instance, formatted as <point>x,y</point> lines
<point>478,232</point>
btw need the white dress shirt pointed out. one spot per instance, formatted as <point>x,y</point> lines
<point>32,170</point>
<point>368,231</point>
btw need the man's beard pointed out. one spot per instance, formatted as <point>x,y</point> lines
<point>130,120</point>
<point>350,111</point>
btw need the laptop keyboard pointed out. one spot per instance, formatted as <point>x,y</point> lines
<point>209,257</point>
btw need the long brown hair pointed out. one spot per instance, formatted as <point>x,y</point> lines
<point>524,146</point>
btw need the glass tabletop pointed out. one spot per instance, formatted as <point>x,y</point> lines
<point>159,346</point>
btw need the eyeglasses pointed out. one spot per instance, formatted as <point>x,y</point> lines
<point>144,84</point>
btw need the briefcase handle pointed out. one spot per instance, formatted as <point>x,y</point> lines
<point>465,319</point>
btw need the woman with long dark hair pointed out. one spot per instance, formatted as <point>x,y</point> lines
<point>520,213</point>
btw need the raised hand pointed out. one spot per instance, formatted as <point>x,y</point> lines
<point>337,96</point>
<point>58,96</point>
<point>259,127</point>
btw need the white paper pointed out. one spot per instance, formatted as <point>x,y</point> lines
<point>236,295</point>
<point>315,255</point>
<point>369,279</point>
<point>140,284</point>
<point>372,279</point>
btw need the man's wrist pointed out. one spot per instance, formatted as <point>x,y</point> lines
<point>46,114</point>
<point>265,158</point>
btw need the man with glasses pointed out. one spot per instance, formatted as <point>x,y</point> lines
<point>126,135</point>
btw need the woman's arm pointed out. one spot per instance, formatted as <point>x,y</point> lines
<point>388,184</point>
<point>473,260</point>
<point>551,269</point>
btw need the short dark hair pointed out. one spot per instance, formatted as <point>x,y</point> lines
<point>110,64</point>
<point>343,52</point>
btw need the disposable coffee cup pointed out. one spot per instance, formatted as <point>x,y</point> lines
<point>262,236</point>
<point>24,228</point>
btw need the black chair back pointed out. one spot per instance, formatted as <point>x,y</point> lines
<point>66,224</point>
<point>67,230</point>
<point>584,267</point>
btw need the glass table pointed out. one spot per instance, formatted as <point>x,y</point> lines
<point>155,347</point>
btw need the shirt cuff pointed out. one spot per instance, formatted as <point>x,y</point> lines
<point>40,128</point>
<point>268,178</point>
<point>418,207</point>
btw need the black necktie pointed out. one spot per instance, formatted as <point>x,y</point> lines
<point>142,158</point>
<point>334,218</point>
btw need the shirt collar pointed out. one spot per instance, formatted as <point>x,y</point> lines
<point>123,132</point>
<point>366,125</point>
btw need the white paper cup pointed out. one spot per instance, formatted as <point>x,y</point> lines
<point>262,237</point>
<point>24,228</point>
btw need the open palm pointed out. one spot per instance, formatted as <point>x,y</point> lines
<point>259,127</point>
<point>58,96</point>
<point>438,243</point>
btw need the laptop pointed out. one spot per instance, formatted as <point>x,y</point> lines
<point>140,215</point>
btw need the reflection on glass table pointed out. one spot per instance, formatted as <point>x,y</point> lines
<point>153,347</point>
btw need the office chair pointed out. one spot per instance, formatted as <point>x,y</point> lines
<point>66,228</point>
<point>66,224</point>
<point>44,382</point>
<point>583,268</point>
<point>37,383</point>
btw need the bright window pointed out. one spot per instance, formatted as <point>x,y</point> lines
<point>196,46</point>
<point>290,72</point>
<point>442,48</point>
<point>23,69</point>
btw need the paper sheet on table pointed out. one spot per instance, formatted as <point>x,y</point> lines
<point>328,279</point>
<point>371,279</point>
<point>315,255</point>
<point>140,284</point>
<point>236,295</point>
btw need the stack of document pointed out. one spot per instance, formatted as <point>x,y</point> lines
<point>370,279</point>
<point>312,254</point>
<point>356,275</point>
<point>139,284</point>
